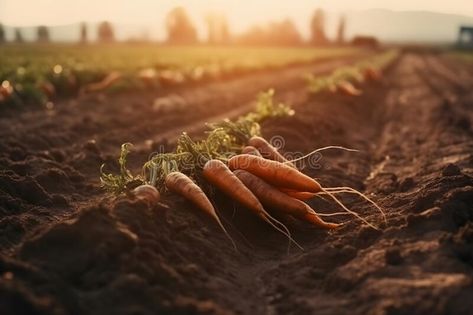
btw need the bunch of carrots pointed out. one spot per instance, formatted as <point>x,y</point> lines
<point>236,160</point>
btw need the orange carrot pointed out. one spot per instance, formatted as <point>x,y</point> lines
<point>274,198</point>
<point>148,75</point>
<point>219,175</point>
<point>275,173</point>
<point>332,88</point>
<point>181,184</point>
<point>6,90</point>
<point>147,193</point>
<point>267,150</point>
<point>286,177</point>
<point>48,89</point>
<point>372,74</point>
<point>348,88</point>
<point>250,150</point>
<point>106,82</point>
<point>301,195</point>
<point>331,192</point>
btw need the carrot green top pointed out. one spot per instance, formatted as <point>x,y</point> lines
<point>224,139</point>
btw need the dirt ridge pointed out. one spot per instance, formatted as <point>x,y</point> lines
<point>415,136</point>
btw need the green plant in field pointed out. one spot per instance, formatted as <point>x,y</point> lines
<point>247,126</point>
<point>68,68</point>
<point>352,73</point>
<point>114,183</point>
<point>223,140</point>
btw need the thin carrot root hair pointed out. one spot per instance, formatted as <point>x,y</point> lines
<point>337,190</point>
<point>333,214</point>
<point>320,150</point>
<point>226,233</point>
<point>238,232</point>
<point>354,213</point>
<point>234,211</point>
<point>284,230</point>
<point>349,190</point>
<point>322,196</point>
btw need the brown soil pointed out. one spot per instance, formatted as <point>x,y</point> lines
<point>68,248</point>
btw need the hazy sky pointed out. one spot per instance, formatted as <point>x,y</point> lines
<point>240,13</point>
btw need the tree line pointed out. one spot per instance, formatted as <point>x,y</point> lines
<point>181,30</point>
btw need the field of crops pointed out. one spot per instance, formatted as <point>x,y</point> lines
<point>36,73</point>
<point>465,55</point>
<point>235,181</point>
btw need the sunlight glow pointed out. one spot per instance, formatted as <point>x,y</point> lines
<point>147,16</point>
<point>240,12</point>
